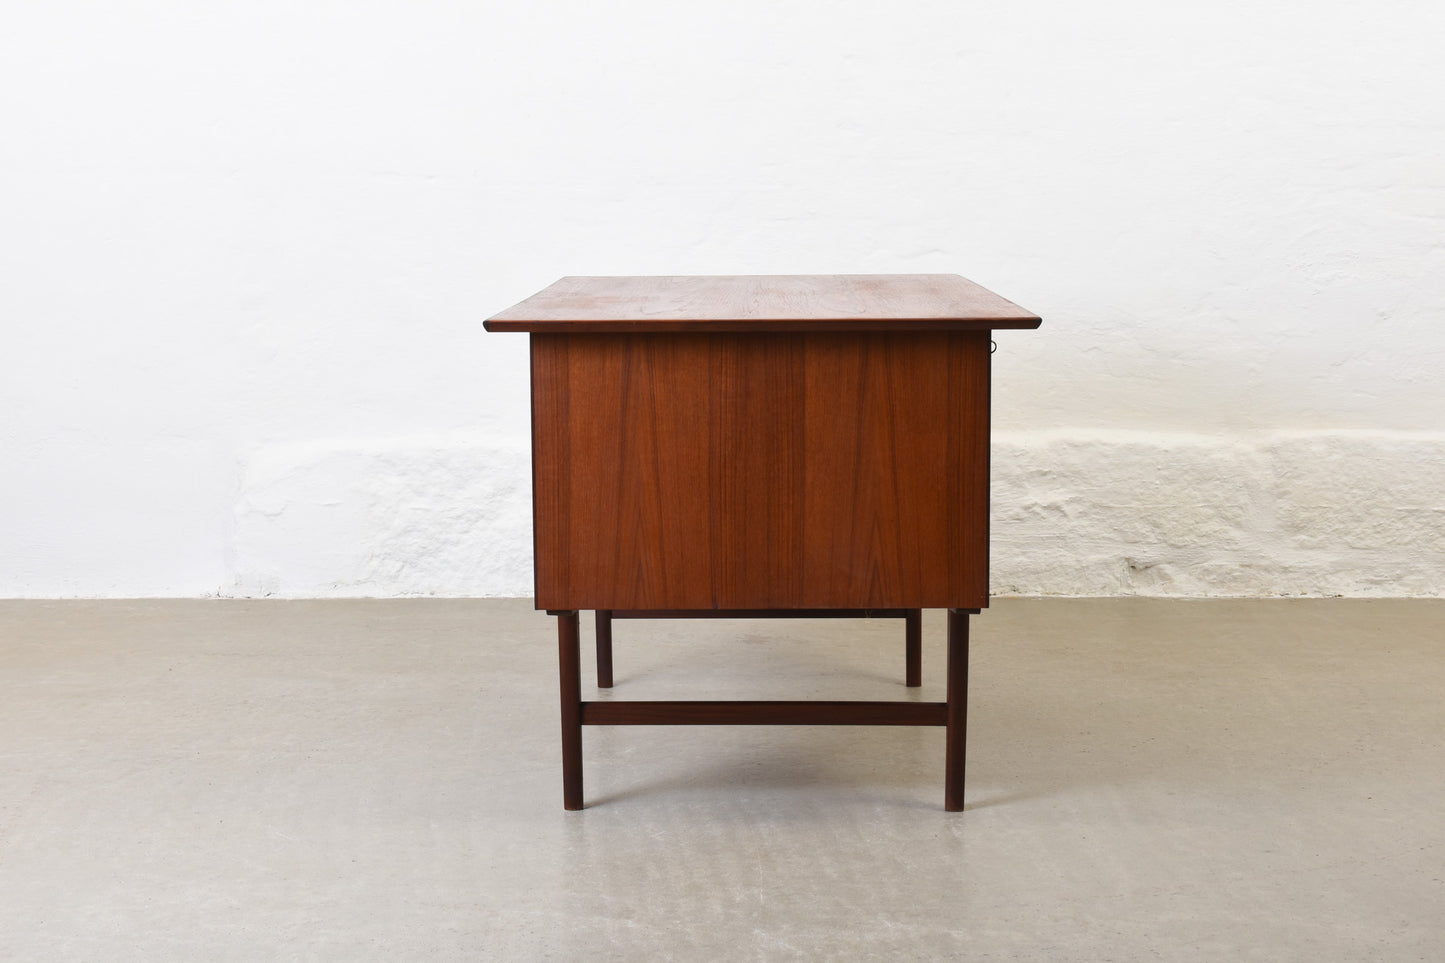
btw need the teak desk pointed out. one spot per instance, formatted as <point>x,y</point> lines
<point>806,446</point>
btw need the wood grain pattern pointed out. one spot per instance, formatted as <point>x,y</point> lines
<point>757,456</point>
<point>750,471</point>
<point>624,466</point>
<point>856,302</point>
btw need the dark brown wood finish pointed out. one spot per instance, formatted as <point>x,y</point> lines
<point>761,471</point>
<point>956,740</point>
<point>604,649</point>
<point>813,713</point>
<point>570,673</point>
<point>761,613</point>
<point>913,648</point>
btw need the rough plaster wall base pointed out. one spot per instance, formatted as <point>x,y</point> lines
<point>1289,513</point>
<point>421,516</point>
<point>1106,513</point>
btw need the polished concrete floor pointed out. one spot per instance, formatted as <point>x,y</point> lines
<point>379,780</point>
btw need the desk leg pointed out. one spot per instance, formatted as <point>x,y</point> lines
<point>957,714</point>
<point>913,647</point>
<point>604,648</point>
<point>570,661</point>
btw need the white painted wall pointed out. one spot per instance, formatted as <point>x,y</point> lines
<point>245,250</point>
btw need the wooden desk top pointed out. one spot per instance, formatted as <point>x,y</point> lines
<point>803,302</point>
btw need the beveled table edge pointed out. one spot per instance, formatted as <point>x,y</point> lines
<point>996,316</point>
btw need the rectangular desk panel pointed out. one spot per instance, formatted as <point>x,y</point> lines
<point>833,469</point>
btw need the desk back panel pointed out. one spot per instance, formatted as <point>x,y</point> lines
<point>761,470</point>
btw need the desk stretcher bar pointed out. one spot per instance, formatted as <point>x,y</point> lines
<point>614,713</point>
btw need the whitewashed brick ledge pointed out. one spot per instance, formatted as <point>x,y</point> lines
<point>1350,513</point>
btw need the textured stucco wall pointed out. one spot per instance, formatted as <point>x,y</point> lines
<point>1075,513</point>
<point>246,249</point>
<point>1285,513</point>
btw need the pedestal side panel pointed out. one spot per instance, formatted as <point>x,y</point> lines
<point>774,470</point>
<point>621,471</point>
